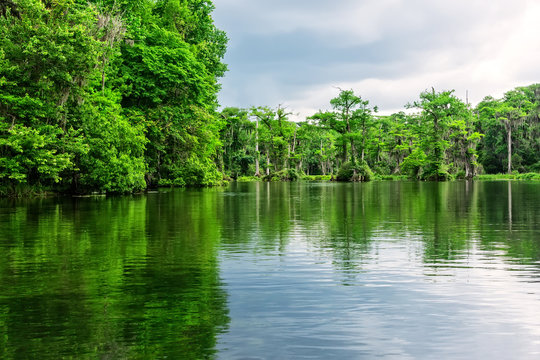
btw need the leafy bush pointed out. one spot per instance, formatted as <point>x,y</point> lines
<point>31,155</point>
<point>390,177</point>
<point>460,175</point>
<point>282,175</point>
<point>412,164</point>
<point>529,176</point>
<point>363,172</point>
<point>194,172</point>
<point>316,177</point>
<point>535,167</point>
<point>115,160</point>
<point>382,168</point>
<point>435,171</point>
<point>347,172</point>
<point>247,178</point>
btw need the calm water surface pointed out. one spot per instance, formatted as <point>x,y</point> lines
<point>390,270</point>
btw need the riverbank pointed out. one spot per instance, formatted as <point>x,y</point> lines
<point>524,176</point>
<point>483,177</point>
<point>25,191</point>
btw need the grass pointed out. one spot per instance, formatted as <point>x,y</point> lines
<point>316,177</point>
<point>378,177</point>
<point>484,177</point>
<point>248,179</point>
<point>513,176</point>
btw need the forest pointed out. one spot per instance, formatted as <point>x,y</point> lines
<point>436,137</point>
<point>117,96</point>
<point>109,95</point>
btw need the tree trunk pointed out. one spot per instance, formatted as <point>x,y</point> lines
<point>257,171</point>
<point>468,172</point>
<point>353,152</point>
<point>509,133</point>
<point>286,161</point>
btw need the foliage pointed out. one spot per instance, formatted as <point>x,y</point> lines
<point>247,178</point>
<point>238,142</point>
<point>445,139</point>
<point>352,119</point>
<point>109,96</point>
<point>351,172</point>
<point>438,111</point>
<point>412,165</point>
<point>390,177</point>
<point>31,155</point>
<point>524,176</point>
<point>117,96</point>
<point>512,131</point>
<point>282,175</point>
<point>316,177</point>
<point>345,172</point>
<point>363,172</point>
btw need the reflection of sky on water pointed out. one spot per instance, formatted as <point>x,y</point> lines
<point>302,302</point>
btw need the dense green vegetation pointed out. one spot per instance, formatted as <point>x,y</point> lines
<point>118,96</point>
<point>108,95</point>
<point>442,137</point>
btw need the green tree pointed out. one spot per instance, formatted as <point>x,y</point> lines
<point>400,139</point>
<point>511,112</point>
<point>352,119</point>
<point>512,128</point>
<point>238,138</point>
<point>316,149</point>
<point>437,112</point>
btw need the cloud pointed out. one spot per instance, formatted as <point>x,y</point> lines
<point>388,51</point>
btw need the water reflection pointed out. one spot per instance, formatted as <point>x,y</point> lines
<point>346,218</point>
<point>391,270</point>
<point>130,277</point>
<point>275,270</point>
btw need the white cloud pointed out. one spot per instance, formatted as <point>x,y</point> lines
<point>388,51</point>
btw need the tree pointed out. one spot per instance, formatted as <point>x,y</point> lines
<point>352,119</point>
<point>511,112</point>
<point>437,111</point>
<point>355,115</point>
<point>115,92</point>
<point>400,139</point>
<point>265,133</point>
<point>238,142</point>
<point>512,128</point>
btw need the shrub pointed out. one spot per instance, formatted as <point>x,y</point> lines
<point>247,178</point>
<point>412,164</point>
<point>460,175</point>
<point>347,172</point>
<point>363,172</point>
<point>282,175</point>
<point>316,177</point>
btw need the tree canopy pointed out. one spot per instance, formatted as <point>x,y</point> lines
<point>118,96</point>
<point>109,96</point>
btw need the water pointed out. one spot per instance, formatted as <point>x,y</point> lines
<point>390,270</point>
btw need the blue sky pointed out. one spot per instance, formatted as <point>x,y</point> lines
<point>297,53</point>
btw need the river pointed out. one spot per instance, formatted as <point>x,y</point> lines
<point>389,270</point>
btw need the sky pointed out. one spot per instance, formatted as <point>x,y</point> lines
<point>299,53</point>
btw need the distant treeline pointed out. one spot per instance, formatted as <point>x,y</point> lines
<point>120,95</point>
<point>442,137</point>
